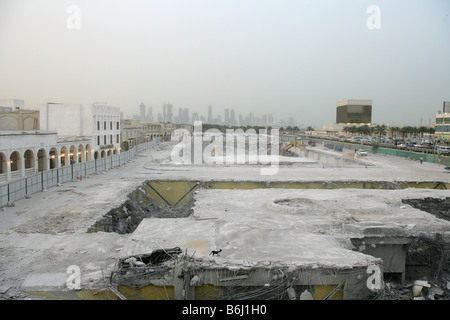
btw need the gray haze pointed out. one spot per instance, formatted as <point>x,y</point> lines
<point>290,58</point>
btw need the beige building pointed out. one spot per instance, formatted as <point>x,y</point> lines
<point>153,130</point>
<point>130,133</point>
<point>14,117</point>
<point>18,120</point>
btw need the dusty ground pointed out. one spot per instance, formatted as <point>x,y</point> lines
<point>40,237</point>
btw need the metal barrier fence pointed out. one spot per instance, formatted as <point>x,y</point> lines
<point>427,157</point>
<point>21,187</point>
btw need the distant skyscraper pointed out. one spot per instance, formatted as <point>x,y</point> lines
<point>195,117</point>
<point>264,119</point>
<point>186,116</point>
<point>179,118</point>
<point>150,114</point>
<point>232,117</point>
<point>210,119</point>
<point>142,107</point>
<point>169,112</point>
<point>164,115</point>
<point>270,119</point>
<point>251,119</point>
<point>227,116</point>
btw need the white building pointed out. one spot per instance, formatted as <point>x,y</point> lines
<point>98,122</point>
<point>24,153</point>
<point>14,104</point>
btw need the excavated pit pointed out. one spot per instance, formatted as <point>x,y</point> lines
<point>140,205</point>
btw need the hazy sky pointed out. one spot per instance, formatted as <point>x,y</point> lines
<point>292,58</point>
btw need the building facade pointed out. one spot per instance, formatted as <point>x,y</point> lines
<point>130,133</point>
<point>442,123</point>
<point>13,116</point>
<point>24,153</point>
<point>156,130</point>
<point>97,122</point>
<point>18,119</point>
<point>354,111</point>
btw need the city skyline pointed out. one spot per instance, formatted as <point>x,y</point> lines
<point>291,59</point>
<point>230,117</point>
<point>186,116</point>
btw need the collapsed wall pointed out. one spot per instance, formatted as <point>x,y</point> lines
<point>181,275</point>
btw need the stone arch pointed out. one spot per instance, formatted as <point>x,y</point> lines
<point>30,123</point>
<point>42,160</point>
<point>3,163</point>
<point>15,161</point>
<point>64,157</point>
<point>28,157</point>
<point>53,157</point>
<point>81,154</point>
<point>96,155</point>
<point>108,153</point>
<point>73,154</point>
<point>88,152</point>
<point>103,154</point>
<point>9,123</point>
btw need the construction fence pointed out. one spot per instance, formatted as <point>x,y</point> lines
<point>19,188</point>
<point>426,157</point>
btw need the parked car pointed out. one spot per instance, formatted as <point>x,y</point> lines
<point>445,149</point>
<point>362,152</point>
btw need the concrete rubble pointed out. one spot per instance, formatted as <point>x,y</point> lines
<point>272,238</point>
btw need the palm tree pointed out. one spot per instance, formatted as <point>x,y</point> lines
<point>381,130</point>
<point>393,131</point>
<point>405,131</point>
<point>346,130</point>
<point>422,130</point>
<point>414,131</point>
<point>365,129</point>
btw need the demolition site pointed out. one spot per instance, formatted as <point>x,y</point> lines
<point>328,224</point>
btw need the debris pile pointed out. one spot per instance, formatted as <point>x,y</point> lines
<point>427,271</point>
<point>136,271</point>
<point>440,208</point>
